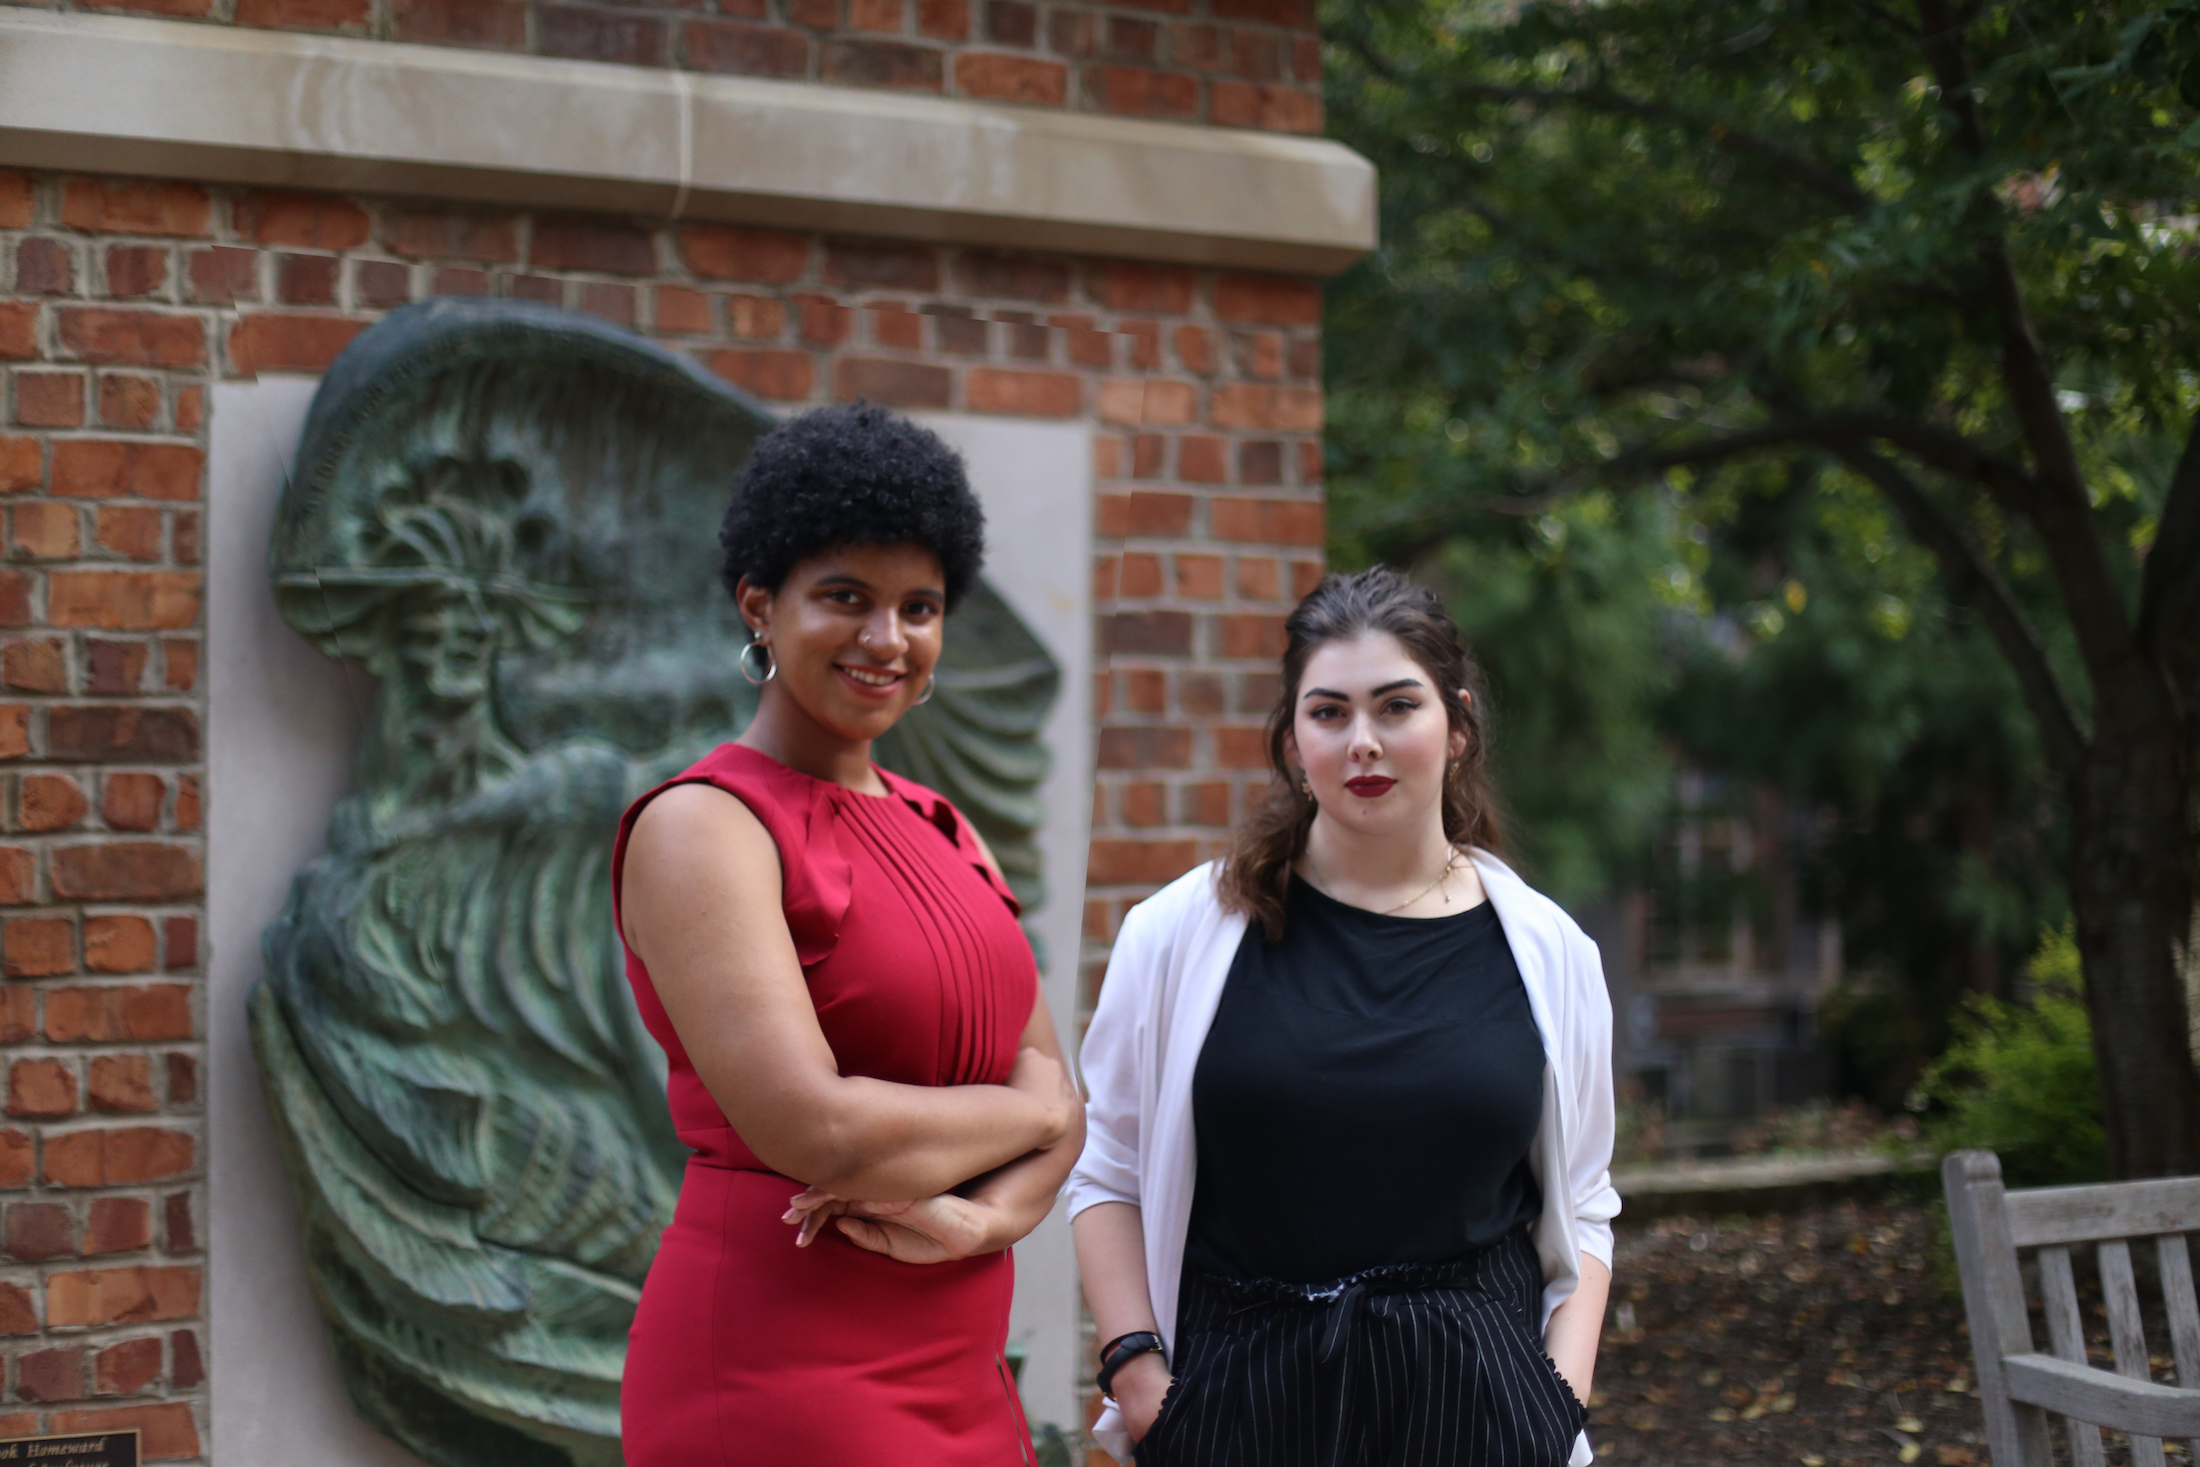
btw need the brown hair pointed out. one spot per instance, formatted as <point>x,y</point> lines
<point>1256,875</point>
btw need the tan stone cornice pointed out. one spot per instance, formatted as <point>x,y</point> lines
<point>224,104</point>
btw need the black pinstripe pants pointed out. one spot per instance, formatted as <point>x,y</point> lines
<point>1414,1365</point>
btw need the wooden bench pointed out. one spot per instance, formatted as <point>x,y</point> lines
<point>2017,1385</point>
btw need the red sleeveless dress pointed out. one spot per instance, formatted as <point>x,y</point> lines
<point>747,1351</point>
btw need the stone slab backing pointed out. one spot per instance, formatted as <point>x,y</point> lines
<point>122,300</point>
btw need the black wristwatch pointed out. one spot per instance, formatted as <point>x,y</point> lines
<point>1121,1351</point>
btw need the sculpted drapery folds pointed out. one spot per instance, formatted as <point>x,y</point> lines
<point>508,515</point>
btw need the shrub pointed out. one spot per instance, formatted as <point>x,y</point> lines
<point>2019,1078</point>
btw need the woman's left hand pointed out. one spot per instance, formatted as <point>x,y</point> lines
<point>928,1230</point>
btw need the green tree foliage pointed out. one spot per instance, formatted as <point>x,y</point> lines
<point>2019,1079</point>
<point>1810,277</point>
<point>1579,760</point>
<point>1833,669</point>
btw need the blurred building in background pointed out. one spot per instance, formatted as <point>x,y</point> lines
<point>1718,966</point>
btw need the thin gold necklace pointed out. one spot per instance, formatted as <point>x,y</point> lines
<point>1451,864</point>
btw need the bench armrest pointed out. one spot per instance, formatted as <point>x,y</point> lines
<point>2118,1402</point>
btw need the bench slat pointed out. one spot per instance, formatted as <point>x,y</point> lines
<point>2128,1335</point>
<point>2046,1215</point>
<point>2184,1312</point>
<point>1993,1304</point>
<point>2066,1337</point>
<point>2092,1395</point>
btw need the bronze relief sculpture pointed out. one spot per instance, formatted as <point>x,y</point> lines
<point>508,515</point>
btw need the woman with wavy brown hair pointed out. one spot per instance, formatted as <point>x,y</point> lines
<point>1345,1197</point>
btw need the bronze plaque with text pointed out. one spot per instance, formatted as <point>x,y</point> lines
<point>86,1449</point>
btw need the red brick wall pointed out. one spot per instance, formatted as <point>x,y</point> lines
<point>121,300</point>
<point>1233,63</point>
<point>100,859</point>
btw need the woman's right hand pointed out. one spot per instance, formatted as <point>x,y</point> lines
<point>1046,1080</point>
<point>1140,1387</point>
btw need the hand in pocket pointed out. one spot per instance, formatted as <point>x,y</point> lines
<point>1141,1386</point>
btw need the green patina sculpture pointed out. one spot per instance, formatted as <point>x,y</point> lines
<point>508,514</point>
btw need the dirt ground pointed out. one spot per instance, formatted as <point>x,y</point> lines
<point>1824,1338</point>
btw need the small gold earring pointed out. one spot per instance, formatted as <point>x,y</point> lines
<point>1306,786</point>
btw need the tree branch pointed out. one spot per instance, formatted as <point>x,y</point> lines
<point>1371,58</point>
<point>1973,580</point>
<point>2060,510</point>
<point>2169,591</point>
<point>1941,34</point>
<point>1950,452</point>
<point>1426,531</point>
<point>1971,577</point>
<point>1888,18</point>
<point>1787,165</point>
<point>1735,45</point>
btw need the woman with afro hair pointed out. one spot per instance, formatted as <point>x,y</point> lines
<point>859,1057</point>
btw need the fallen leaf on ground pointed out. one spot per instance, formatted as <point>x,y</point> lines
<point>1809,1333</point>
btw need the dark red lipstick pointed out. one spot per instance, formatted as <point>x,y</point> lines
<point>1368,786</point>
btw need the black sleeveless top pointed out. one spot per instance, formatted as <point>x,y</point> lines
<point>1368,1094</point>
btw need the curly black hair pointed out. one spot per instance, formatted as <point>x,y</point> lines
<point>853,474</point>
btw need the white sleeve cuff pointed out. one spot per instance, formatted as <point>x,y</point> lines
<point>1114,1437</point>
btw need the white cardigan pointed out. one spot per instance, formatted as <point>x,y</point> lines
<point>1158,999</point>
